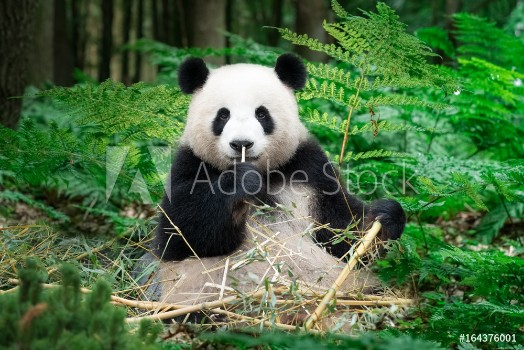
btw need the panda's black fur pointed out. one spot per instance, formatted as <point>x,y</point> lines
<point>212,217</point>
<point>217,233</point>
<point>192,75</point>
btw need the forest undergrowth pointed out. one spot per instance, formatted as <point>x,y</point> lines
<point>433,120</point>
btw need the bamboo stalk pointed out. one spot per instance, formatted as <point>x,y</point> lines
<point>361,249</point>
<point>387,302</point>
<point>224,279</point>
<point>256,321</point>
<point>156,305</point>
<point>192,308</point>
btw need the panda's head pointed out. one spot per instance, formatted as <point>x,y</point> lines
<point>243,105</point>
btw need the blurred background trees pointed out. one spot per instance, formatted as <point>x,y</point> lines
<point>65,41</point>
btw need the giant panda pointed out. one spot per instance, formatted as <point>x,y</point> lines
<point>275,218</point>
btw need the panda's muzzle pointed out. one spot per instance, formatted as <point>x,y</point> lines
<point>238,144</point>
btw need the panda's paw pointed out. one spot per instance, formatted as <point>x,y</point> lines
<point>249,180</point>
<point>391,216</point>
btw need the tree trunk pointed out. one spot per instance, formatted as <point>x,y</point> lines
<point>126,28</point>
<point>139,35</point>
<point>41,68</point>
<point>104,70</point>
<point>155,22</point>
<point>63,51</point>
<point>80,12</point>
<point>167,23</point>
<point>310,14</point>
<point>274,35</point>
<point>181,12</point>
<point>16,28</point>
<point>452,7</point>
<point>207,23</point>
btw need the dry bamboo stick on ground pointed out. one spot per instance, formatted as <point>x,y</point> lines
<point>193,308</point>
<point>361,249</point>
<point>358,302</point>
<point>364,300</point>
<point>256,321</point>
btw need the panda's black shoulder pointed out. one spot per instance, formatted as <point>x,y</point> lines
<point>308,154</point>
<point>186,164</point>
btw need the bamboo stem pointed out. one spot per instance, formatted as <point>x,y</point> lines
<point>192,308</point>
<point>361,249</point>
<point>256,321</point>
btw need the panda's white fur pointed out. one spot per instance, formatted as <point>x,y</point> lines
<point>279,249</point>
<point>226,230</point>
<point>242,88</point>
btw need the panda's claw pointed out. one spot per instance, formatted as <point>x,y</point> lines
<point>392,217</point>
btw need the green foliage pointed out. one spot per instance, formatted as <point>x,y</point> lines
<point>482,39</point>
<point>393,59</point>
<point>468,291</point>
<point>438,39</point>
<point>115,146</point>
<point>123,114</point>
<point>279,340</point>
<point>168,58</point>
<point>491,224</point>
<point>442,139</point>
<point>62,319</point>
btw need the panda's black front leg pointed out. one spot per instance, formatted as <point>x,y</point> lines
<point>345,210</point>
<point>207,206</point>
<point>336,207</point>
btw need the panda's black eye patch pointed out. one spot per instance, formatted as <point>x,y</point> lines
<point>220,120</point>
<point>264,118</point>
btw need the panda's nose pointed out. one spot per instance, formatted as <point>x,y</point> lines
<point>238,144</point>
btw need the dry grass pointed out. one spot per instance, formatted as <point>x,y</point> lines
<point>279,305</point>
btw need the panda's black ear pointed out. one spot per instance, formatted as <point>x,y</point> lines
<point>192,74</point>
<point>291,71</point>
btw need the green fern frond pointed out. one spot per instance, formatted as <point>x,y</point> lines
<point>327,90</point>
<point>380,57</point>
<point>333,74</point>
<point>483,39</point>
<point>378,153</point>
<point>402,100</point>
<point>315,45</point>
<point>138,112</point>
<point>500,83</point>
<point>339,10</point>
<point>335,123</point>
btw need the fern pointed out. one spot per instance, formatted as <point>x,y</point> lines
<point>482,39</point>
<point>379,153</point>
<point>333,123</point>
<point>492,223</point>
<point>380,56</point>
<point>138,112</point>
<point>489,282</point>
<point>81,157</point>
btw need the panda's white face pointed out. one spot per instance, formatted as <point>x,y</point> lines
<point>244,105</point>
